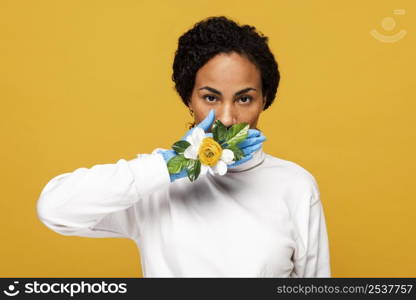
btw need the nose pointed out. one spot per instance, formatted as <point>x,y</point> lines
<point>226,115</point>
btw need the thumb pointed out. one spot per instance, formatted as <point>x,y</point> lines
<point>207,122</point>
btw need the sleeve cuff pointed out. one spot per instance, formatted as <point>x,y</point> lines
<point>150,173</point>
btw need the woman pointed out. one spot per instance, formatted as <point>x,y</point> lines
<point>262,218</point>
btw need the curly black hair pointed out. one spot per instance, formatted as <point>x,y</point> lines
<point>219,34</point>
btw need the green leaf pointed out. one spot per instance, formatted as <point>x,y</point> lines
<point>176,163</point>
<point>237,133</point>
<point>193,168</point>
<point>238,153</point>
<point>180,146</point>
<point>219,131</point>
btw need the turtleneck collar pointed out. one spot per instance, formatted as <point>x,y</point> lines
<point>257,159</point>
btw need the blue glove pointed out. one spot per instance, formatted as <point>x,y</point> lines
<point>168,154</point>
<point>251,144</point>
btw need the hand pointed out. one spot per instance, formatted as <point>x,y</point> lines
<point>251,144</point>
<point>168,154</point>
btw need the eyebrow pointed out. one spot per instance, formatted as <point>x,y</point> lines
<point>219,93</point>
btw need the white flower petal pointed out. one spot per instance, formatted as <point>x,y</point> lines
<point>198,136</point>
<point>192,140</point>
<point>191,152</point>
<point>220,168</point>
<point>194,137</point>
<point>189,139</point>
<point>227,156</point>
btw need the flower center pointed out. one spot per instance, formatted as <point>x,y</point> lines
<point>209,152</point>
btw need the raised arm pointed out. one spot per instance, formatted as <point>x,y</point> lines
<point>98,201</point>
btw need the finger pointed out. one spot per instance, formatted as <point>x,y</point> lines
<point>251,141</point>
<point>239,162</point>
<point>253,132</point>
<point>207,122</point>
<point>250,149</point>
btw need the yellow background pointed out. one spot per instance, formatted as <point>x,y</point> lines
<point>88,82</point>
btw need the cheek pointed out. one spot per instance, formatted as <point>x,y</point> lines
<point>200,115</point>
<point>250,117</point>
<point>199,109</point>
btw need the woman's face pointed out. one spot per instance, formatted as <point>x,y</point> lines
<point>231,85</point>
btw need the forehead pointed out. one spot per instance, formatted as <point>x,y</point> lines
<point>228,70</point>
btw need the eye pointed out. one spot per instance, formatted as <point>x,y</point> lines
<point>206,98</point>
<point>246,98</point>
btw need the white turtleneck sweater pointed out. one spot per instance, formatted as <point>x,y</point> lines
<point>264,218</point>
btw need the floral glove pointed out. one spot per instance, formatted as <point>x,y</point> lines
<point>201,152</point>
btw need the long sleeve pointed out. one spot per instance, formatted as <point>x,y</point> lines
<point>317,263</point>
<point>98,201</point>
<point>312,258</point>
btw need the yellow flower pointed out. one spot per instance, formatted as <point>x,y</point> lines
<point>213,158</point>
<point>209,152</point>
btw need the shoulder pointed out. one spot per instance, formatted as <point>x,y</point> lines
<point>295,179</point>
